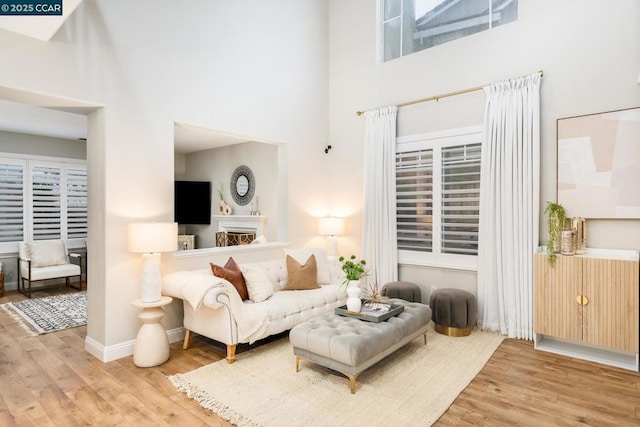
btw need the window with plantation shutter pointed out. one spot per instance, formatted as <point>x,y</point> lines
<point>12,196</point>
<point>42,200</point>
<point>438,198</point>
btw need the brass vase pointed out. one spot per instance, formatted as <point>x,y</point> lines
<point>578,226</point>
<point>567,242</point>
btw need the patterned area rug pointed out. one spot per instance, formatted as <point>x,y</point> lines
<point>43,315</point>
<point>413,386</point>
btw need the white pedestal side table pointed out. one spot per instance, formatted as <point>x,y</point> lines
<point>152,344</point>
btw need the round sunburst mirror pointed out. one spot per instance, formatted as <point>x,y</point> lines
<point>243,185</point>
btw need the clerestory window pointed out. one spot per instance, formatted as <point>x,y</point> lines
<point>408,26</point>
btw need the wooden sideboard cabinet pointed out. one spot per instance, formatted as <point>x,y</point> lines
<point>586,306</point>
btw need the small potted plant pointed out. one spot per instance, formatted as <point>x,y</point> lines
<point>556,217</point>
<point>354,270</point>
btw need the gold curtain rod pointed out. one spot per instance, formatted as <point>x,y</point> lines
<point>438,97</point>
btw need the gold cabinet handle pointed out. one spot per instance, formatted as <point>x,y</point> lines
<point>582,300</point>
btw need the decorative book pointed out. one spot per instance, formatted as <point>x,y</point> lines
<point>372,312</point>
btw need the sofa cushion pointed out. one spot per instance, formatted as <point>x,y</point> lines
<point>54,271</point>
<point>231,272</point>
<point>44,253</point>
<point>284,310</point>
<point>301,276</point>
<point>276,271</point>
<point>258,284</point>
<point>301,255</point>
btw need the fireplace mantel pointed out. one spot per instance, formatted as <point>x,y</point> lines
<point>241,223</point>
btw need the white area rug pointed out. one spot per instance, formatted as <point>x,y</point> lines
<point>414,386</point>
<point>43,315</point>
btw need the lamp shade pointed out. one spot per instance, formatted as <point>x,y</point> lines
<point>330,226</point>
<point>148,237</point>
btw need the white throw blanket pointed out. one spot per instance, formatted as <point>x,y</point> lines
<point>196,288</point>
<point>252,323</point>
<point>199,287</point>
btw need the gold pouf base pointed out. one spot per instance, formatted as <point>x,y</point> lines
<point>451,331</point>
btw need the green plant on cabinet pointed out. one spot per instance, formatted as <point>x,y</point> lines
<point>556,217</point>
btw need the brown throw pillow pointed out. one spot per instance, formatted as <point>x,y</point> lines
<point>301,277</point>
<point>232,273</point>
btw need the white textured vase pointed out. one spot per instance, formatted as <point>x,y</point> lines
<point>354,303</point>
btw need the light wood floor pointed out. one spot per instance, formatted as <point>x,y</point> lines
<point>51,380</point>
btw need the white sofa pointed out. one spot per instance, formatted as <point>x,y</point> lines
<point>213,308</point>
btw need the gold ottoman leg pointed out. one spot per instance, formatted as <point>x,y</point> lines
<point>352,383</point>
<point>451,331</point>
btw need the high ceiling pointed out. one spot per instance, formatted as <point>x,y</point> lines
<point>39,27</point>
<point>38,114</point>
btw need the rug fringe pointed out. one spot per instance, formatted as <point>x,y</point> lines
<point>8,308</point>
<point>206,401</point>
<point>491,331</point>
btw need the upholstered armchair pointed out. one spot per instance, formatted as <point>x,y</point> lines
<point>46,259</point>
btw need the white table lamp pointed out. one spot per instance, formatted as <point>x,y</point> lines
<point>331,227</point>
<point>151,238</point>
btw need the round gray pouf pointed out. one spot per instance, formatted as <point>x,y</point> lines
<point>453,311</point>
<point>404,290</point>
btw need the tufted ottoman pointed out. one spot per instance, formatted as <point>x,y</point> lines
<point>404,290</point>
<point>349,345</point>
<point>454,312</point>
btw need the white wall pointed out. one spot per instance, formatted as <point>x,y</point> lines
<point>590,54</point>
<point>252,68</point>
<point>20,143</point>
<point>217,166</point>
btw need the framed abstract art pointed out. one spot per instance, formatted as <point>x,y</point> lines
<point>599,164</point>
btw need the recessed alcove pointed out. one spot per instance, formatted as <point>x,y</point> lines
<point>203,154</point>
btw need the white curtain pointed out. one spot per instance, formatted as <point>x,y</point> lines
<point>509,206</point>
<point>379,245</point>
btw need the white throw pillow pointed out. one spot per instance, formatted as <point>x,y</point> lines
<point>302,255</point>
<point>45,253</point>
<point>258,284</point>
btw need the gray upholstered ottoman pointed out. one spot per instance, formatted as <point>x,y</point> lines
<point>404,290</point>
<point>454,312</point>
<point>349,345</point>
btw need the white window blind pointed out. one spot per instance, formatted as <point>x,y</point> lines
<point>414,193</point>
<point>12,196</point>
<point>460,201</point>
<point>438,198</point>
<point>46,202</point>
<point>76,203</point>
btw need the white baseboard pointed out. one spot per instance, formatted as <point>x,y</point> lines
<point>124,349</point>
<point>175,335</point>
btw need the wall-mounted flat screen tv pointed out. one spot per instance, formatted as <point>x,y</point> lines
<point>192,202</point>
